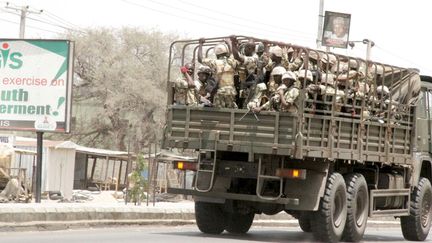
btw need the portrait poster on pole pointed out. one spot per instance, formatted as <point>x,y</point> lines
<point>336,29</point>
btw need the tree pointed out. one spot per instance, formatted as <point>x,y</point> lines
<point>119,87</point>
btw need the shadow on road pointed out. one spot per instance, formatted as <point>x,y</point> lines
<point>288,235</point>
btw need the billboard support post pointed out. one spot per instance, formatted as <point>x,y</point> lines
<point>39,144</point>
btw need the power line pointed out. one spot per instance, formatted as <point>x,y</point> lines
<point>195,20</point>
<point>245,19</point>
<point>213,18</point>
<point>53,24</point>
<point>61,20</point>
<point>30,26</point>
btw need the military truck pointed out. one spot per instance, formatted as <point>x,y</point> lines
<point>331,165</point>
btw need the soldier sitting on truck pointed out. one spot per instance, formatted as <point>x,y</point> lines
<point>382,102</point>
<point>289,98</point>
<point>273,96</point>
<point>186,87</point>
<point>225,67</point>
<point>327,89</point>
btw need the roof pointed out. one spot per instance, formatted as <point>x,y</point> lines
<point>103,153</point>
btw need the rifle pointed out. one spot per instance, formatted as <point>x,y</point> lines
<point>253,112</point>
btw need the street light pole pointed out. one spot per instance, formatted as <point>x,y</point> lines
<point>370,44</point>
<point>320,24</point>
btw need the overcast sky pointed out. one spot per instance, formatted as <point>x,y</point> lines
<point>399,28</point>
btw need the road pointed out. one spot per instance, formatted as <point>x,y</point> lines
<point>178,234</point>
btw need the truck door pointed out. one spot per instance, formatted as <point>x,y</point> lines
<point>423,123</point>
<point>429,114</point>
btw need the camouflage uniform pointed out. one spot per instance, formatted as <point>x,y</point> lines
<point>274,103</point>
<point>224,74</point>
<point>246,72</point>
<point>327,89</point>
<point>291,65</point>
<point>291,96</point>
<point>185,95</point>
<point>257,96</point>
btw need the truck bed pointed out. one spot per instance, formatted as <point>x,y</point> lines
<point>280,133</point>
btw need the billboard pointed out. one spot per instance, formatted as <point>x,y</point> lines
<point>36,84</point>
<point>336,29</point>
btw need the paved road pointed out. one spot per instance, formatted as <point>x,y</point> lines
<point>189,234</point>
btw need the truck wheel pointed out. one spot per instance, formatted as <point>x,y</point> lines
<point>416,226</point>
<point>209,217</point>
<point>329,221</point>
<point>239,223</point>
<point>357,207</point>
<point>304,220</point>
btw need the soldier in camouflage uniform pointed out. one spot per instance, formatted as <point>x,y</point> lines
<point>224,69</point>
<point>186,88</point>
<point>263,59</point>
<point>327,89</point>
<point>290,59</point>
<point>290,98</point>
<point>246,70</point>
<point>207,85</point>
<point>273,95</point>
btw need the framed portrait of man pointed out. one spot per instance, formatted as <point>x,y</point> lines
<point>336,29</point>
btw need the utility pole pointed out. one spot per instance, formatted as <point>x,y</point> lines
<point>320,24</point>
<point>25,10</point>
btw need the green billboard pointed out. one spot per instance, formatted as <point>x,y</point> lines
<point>36,84</point>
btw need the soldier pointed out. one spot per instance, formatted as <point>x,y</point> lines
<point>289,98</point>
<point>382,102</point>
<point>246,69</point>
<point>326,89</point>
<point>272,95</point>
<point>208,85</point>
<point>186,87</point>
<point>225,67</point>
<point>290,60</point>
<point>261,51</point>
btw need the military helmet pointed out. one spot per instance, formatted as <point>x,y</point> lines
<point>328,78</point>
<point>220,48</point>
<point>259,47</point>
<point>278,71</point>
<point>305,73</point>
<point>190,66</point>
<point>353,63</point>
<point>276,50</point>
<point>328,58</point>
<point>261,86</point>
<point>204,69</point>
<point>383,90</point>
<point>289,75</point>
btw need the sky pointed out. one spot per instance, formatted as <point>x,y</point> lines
<point>398,28</point>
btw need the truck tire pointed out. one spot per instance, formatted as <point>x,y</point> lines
<point>357,207</point>
<point>209,217</point>
<point>304,220</point>
<point>329,221</point>
<point>416,226</point>
<point>239,223</point>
